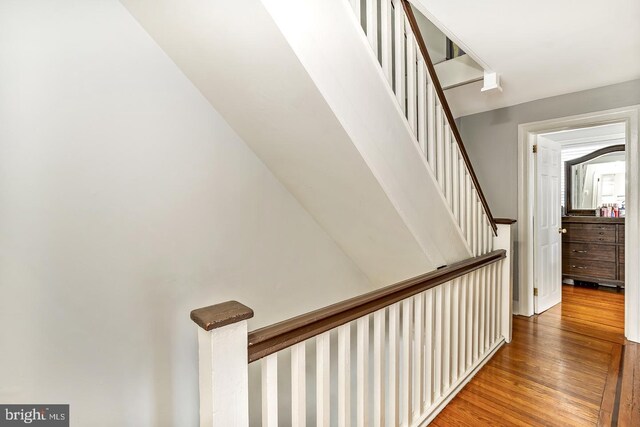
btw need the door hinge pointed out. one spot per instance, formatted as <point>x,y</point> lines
<point>535,148</point>
<point>535,292</point>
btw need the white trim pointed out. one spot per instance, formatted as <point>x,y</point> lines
<point>527,134</point>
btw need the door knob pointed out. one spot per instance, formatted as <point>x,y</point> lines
<point>562,230</point>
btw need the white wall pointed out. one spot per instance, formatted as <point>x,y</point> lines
<point>125,202</point>
<point>243,58</point>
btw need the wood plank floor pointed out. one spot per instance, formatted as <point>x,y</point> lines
<point>562,368</point>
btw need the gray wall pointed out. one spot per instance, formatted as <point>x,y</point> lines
<point>491,138</point>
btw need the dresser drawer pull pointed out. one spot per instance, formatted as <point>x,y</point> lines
<point>580,252</point>
<point>578,267</point>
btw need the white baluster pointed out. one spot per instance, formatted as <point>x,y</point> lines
<point>491,237</point>
<point>385,39</point>
<point>298,385</point>
<point>431,126</point>
<point>446,336</point>
<point>483,228</point>
<point>323,379</point>
<point>455,328</point>
<point>440,147</point>
<point>455,181</point>
<point>462,325</point>
<point>447,166</point>
<point>378,368</point>
<point>399,54</point>
<point>479,228</point>
<point>418,351</point>
<point>469,214</point>
<point>492,306</point>
<point>487,309</point>
<point>411,79</point>
<point>394,364</point>
<point>496,303</point>
<point>471,295</point>
<point>407,336</point>
<point>476,315</point>
<point>482,307</point>
<point>357,8</point>
<point>437,346</point>
<point>428,340</point>
<point>362,372</point>
<point>462,182</point>
<point>372,25</point>
<point>270,390</point>
<point>474,222</point>
<point>344,375</point>
<point>422,105</point>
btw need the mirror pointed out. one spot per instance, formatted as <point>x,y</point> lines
<point>594,180</point>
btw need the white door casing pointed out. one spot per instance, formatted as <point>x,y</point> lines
<point>527,136</point>
<point>548,226</point>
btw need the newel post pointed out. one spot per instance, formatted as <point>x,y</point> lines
<point>223,364</point>
<point>504,241</point>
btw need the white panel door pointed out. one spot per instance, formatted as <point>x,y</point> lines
<point>548,226</point>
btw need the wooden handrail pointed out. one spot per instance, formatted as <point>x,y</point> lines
<point>505,221</point>
<point>271,339</point>
<point>445,106</point>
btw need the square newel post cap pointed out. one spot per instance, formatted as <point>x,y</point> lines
<point>505,221</point>
<point>219,315</point>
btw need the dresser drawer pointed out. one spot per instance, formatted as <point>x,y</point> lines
<point>590,268</point>
<point>621,233</point>
<point>589,251</point>
<point>621,272</point>
<point>597,233</point>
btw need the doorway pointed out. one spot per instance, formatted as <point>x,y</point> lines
<point>535,134</point>
<point>580,210</point>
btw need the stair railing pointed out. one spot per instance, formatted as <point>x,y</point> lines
<point>395,39</point>
<point>401,352</point>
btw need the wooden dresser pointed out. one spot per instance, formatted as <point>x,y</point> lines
<point>593,249</point>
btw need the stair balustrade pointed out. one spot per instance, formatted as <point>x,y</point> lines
<point>400,352</point>
<point>395,40</point>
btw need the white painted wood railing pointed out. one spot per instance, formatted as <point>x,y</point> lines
<point>393,357</point>
<point>410,73</point>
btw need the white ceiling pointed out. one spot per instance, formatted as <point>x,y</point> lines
<point>540,48</point>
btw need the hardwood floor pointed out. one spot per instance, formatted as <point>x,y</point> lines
<point>562,368</point>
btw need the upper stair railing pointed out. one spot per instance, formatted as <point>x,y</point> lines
<point>400,49</point>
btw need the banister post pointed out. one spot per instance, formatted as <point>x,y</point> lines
<point>223,364</point>
<point>504,241</point>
